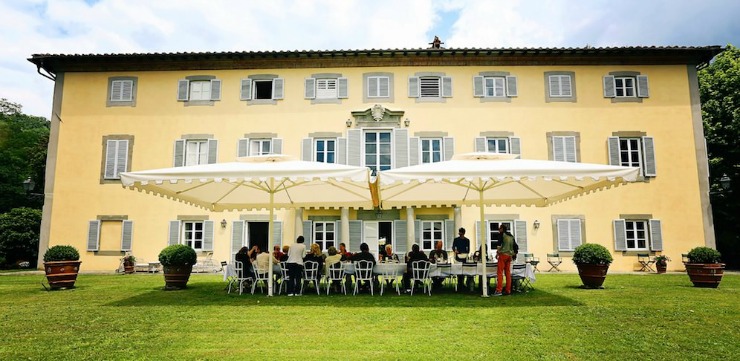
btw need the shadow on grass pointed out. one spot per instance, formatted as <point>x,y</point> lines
<point>214,294</point>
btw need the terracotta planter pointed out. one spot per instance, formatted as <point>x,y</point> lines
<point>705,274</point>
<point>592,275</point>
<point>660,268</point>
<point>62,274</point>
<point>176,277</point>
<point>128,269</point>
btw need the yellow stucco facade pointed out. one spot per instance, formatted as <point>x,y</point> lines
<point>677,196</point>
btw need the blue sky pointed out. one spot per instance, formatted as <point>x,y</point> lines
<point>124,26</point>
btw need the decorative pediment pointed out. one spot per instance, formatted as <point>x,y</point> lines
<point>378,116</point>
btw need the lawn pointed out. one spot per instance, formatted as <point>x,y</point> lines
<point>117,317</point>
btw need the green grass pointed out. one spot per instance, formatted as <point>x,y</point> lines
<point>637,316</point>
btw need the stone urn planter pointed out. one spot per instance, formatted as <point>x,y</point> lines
<point>177,264</point>
<point>704,267</point>
<point>661,263</point>
<point>593,262</point>
<point>61,264</point>
<point>128,264</point>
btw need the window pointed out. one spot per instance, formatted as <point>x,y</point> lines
<point>121,91</point>
<point>110,233</point>
<point>325,150</point>
<point>430,86</point>
<point>569,234</point>
<point>633,151</point>
<point>116,158</point>
<point>638,233</point>
<point>378,87</point>
<point>326,87</point>
<point>626,86</point>
<point>192,234</point>
<point>564,149</point>
<point>431,150</point>
<point>264,87</point>
<point>498,144</point>
<point>260,147</point>
<point>324,235</point>
<point>494,86</point>
<point>199,90</point>
<point>431,232</point>
<point>195,152</point>
<point>560,86</point>
<point>259,144</point>
<point>494,234</point>
<point>378,154</point>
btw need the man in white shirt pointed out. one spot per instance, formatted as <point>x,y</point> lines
<point>295,266</point>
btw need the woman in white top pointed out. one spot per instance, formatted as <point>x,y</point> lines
<point>295,266</point>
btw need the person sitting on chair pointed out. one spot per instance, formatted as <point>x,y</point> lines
<point>364,255</point>
<point>315,255</point>
<point>333,258</point>
<point>277,253</point>
<point>438,255</point>
<point>387,255</point>
<point>346,255</point>
<point>413,256</point>
<point>245,257</point>
<point>284,258</point>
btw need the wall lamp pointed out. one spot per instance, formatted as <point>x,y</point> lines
<point>724,182</point>
<point>536,224</point>
<point>348,122</point>
<point>407,122</point>
<point>223,223</point>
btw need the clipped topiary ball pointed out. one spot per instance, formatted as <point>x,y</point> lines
<point>592,253</point>
<point>177,255</point>
<point>61,253</point>
<point>704,255</point>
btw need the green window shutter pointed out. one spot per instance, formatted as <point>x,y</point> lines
<point>480,144</point>
<point>414,151</point>
<point>174,233</point>
<point>342,88</point>
<point>93,236</point>
<point>183,89</point>
<point>413,87</point>
<point>179,153</point>
<point>278,88</point>
<point>277,145</point>
<point>372,86</point>
<point>246,89</point>
<point>310,88</point>
<point>512,89</point>
<point>656,235</point>
<point>308,232</point>
<point>609,87</point>
<point>648,148</point>
<point>478,90</point>
<point>354,147</point>
<point>564,235</point>
<point>449,233</point>
<point>614,158</point>
<point>341,151</point>
<point>620,235</point>
<point>212,151</point>
<point>243,148</point>
<point>355,236</point>
<point>400,236</point>
<point>642,86</point>
<point>515,146</point>
<point>307,149</point>
<point>448,144</point>
<point>215,89</point>
<point>520,229</point>
<point>208,235</point>
<point>401,143</point>
<point>237,236</point>
<point>384,86</point>
<point>127,233</point>
<point>277,233</point>
<point>111,154</point>
<point>446,86</point>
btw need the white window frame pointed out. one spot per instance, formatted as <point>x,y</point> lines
<point>378,86</point>
<point>498,141</point>
<point>189,233</point>
<point>196,151</point>
<point>621,85</point>
<point>378,165</point>
<point>428,152</point>
<point>631,234</point>
<point>257,147</point>
<point>327,88</point>
<point>630,151</point>
<point>323,156</point>
<point>254,89</point>
<point>427,88</point>
<point>558,80</point>
<point>493,233</point>
<point>496,88</point>
<point>431,234</point>
<point>322,231</point>
<point>199,90</point>
<point>121,84</point>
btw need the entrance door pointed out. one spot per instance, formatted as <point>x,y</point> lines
<point>374,232</point>
<point>257,235</point>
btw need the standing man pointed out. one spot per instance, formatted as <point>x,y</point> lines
<point>295,266</point>
<point>461,247</point>
<point>504,253</point>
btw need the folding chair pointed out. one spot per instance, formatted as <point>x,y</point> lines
<point>336,273</point>
<point>519,278</point>
<point>554,260</point>
<point>645,262</point>
<point>364,272</point>
<point>531,259</point>
<point>420,273</point>
<point>229,278</point>
<point>685,258</point>
<point>311,274</point>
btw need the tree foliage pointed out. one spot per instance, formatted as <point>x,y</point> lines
<point>719,85</point>
<point>19,235</point>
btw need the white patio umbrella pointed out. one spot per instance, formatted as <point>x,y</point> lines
<point>260,182</point>
<point>483,179</point>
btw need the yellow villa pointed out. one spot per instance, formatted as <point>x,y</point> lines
<point>383,109</point>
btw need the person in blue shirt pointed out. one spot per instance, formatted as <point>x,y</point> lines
<point>461,247</point>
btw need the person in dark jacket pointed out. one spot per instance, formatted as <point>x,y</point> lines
<point>413,256</point>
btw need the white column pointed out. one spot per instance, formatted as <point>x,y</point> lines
<point>298,226</point>
<point>410,229</point>
<point>344,237</point>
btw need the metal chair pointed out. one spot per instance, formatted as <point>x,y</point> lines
<point>241,276</point>
<point>311,274</point>
<point>364,272</point>
<point>420,273</point>
<point>283,277</point>
<point>519,278</point>
<point>531,259</point>
<point>261,276</point>
<point>337,274</point>
<point>389,276</point>
<point>554,260</point>
<point>230,279</point>
<point>645,262</point>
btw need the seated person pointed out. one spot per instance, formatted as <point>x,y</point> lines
<point>346,255</point>
<point>315,255</point>
<point>387,254</point>
<point>245,257</point>
<point>262,262</point>
<point>277,253</point>
<point>438,255</point>
<point>364,255</point>
<point>413,256</point>
<point>333,258</point>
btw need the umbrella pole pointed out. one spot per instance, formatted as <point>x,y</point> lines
<point>483,243</point>
<point>269,238</point>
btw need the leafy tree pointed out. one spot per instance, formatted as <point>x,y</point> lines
<point>19,235</point>
<point>23,143</point>
<point>719,85</point>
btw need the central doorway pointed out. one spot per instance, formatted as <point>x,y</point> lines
<point>257,235</point>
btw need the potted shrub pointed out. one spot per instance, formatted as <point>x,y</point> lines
<point>62,265</point>
<point>129,262</point>
<point>593,262</point>
<point>177,263</point>
<point>661,263</point>
<point>704,267</point>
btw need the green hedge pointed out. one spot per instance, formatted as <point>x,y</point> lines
<point>177,255</point>
<point>61,253</point>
